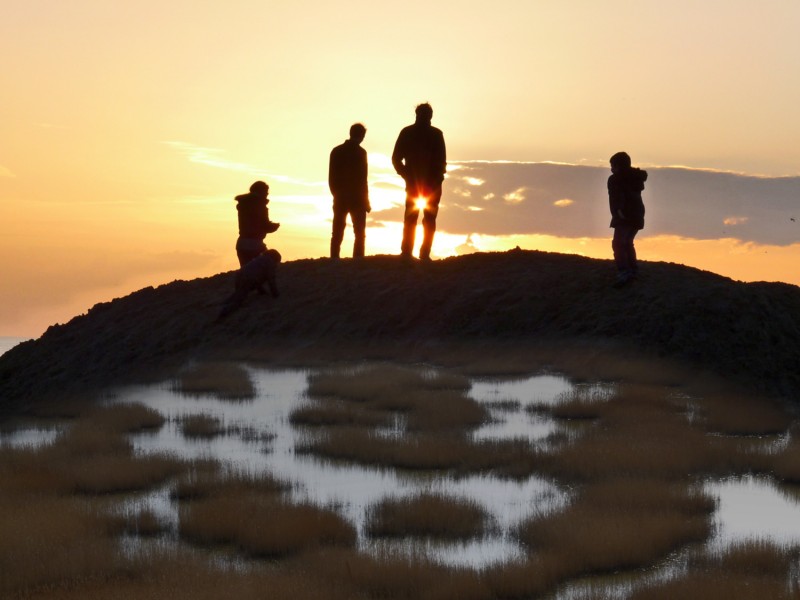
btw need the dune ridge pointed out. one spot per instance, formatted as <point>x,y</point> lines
<point>749,332</point>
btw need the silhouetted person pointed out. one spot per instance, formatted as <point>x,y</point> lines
<point>252,277</point>
<point>347,179</point>
<point>625,187</point>
<point>420,158</point>
<point>254,223</point>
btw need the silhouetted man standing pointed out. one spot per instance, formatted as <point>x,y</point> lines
<point>625,187</point>
<point>347,180</point>
<point>420,158</point>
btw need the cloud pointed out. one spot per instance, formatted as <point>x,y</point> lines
<point>6,172</point>
<point>572,201</point>
<point>212,157</point>
<point>735,220</point>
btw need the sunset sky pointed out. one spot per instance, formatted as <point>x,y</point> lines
<point>126,128</point>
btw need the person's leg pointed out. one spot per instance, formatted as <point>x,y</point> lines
<point>624,254</point>
<point>409,226</point>
<point>337,233</point>
<point>633,265</point>
<point>359,218</point>
<point>429,215</point>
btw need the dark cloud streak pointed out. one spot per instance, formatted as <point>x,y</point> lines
<point>683,202</point>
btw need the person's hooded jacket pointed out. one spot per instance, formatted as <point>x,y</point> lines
<point>625,197</point>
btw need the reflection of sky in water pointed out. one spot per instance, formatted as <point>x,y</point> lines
<point>265,443</point>
<point>28,437</point>
<point>350,488</point>
<point>755,507</point>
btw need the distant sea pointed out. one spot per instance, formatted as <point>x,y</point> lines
<point>7,343</point>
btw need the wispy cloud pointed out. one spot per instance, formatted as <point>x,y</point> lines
<point>214,157</point>
<point>735,220</point>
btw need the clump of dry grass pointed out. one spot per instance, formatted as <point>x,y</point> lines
<point>45,541</point>
<point>125,418</point>
<point>334,413</point>
<point>226,380</point>
<point>367,383</point>
<point>426,515</point>
<point>621,525</point>
<point>738,414</point>
<point>207,481</point>
<point>643,432</point>
<point>393,577</point>
<point>431,400</point>
<point>86,460</point>
<point>201,426</point>
<point>428,452</point>
<point>176,575</point>
<point>262,525</point>
<point>749,570</point>
<point>144,523</point>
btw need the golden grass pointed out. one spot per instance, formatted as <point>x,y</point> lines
<point>262,525</point>
<point>335,413</point>
<point>44,541</point>
<point>201,426</point>
<point>428,452</point>
<point>426,515</point>
<point>644,432</point>
<point>207,480</point>
<point>748,571</point>
<point>738,414</point>
<point>621,525</point>
<point>430,400</point>
<point>176,576</point>
<point>388,577</point>
<point>125,418</point>
<point>226,380</point>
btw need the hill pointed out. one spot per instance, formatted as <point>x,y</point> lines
<point>748,332</point>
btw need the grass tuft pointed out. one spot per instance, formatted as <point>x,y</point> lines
<point>426,515</point>
<point>226,380</point>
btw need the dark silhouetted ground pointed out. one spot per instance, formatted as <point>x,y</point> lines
<point>749,333</point>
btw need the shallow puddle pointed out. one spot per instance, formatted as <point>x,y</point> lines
<point>268,444</point>
<point>260,439</point>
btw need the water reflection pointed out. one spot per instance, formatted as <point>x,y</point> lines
<point>755,508</point>
<point>352,489</point>
<point>29,437</point>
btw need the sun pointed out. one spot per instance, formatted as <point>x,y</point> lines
<point>421,202</point>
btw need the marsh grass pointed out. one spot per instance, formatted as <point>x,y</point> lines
<point>225,380</point>
<point>144,523</point>
<point>45,541</point>
<point>393,577</point>
<point>336,413</point>
<point>124,418</point>
<point>425,452</point>
<point>201,426</point>
<point>207,480</point>
<point>621,525</point>
<point>751,570</point>
<point>643,431</point>
<point>431,400</point>
<point>262,525</point>
<point>737,414</point>
<point>426,515</point>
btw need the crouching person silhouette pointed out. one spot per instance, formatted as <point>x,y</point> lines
<point>251,277</point>
<point>254,223</point>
